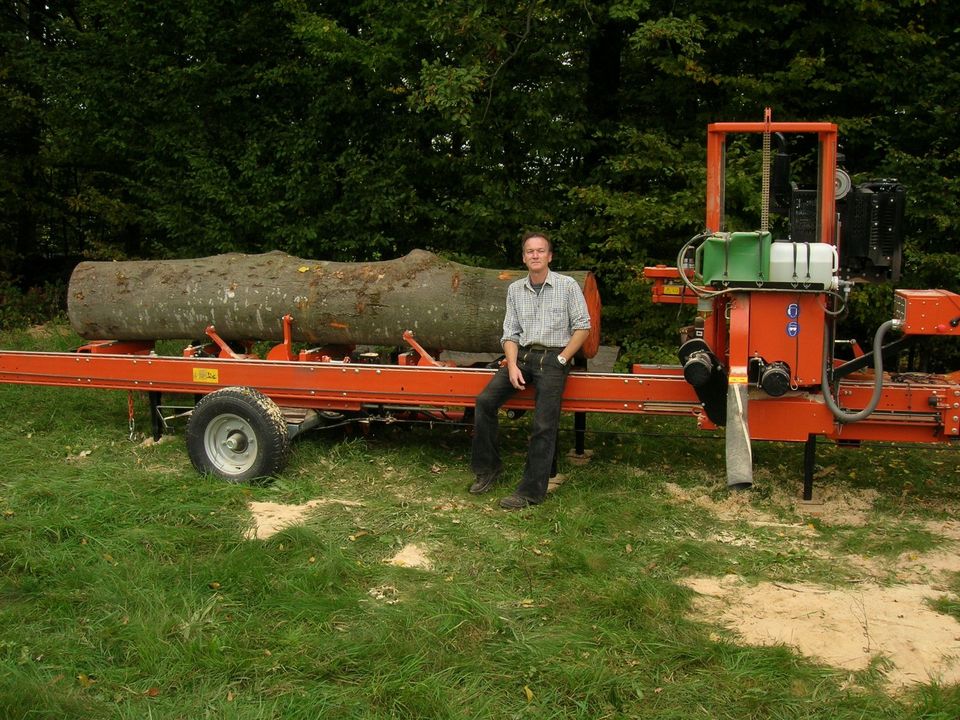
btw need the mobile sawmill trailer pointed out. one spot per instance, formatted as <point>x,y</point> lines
<point>759,359</point>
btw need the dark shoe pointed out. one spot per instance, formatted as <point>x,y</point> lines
<point>515,502</point>
<point>484,482</point>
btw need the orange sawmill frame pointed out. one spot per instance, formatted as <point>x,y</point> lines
<point>921,410</point>
<point>908,412</point>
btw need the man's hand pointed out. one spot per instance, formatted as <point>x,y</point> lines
<point>510,352</point>
<point>516,377</point>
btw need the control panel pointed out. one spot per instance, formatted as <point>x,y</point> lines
<point>927,312</point>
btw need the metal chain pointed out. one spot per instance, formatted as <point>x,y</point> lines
<point>130,415</point>
<point>765,185</point>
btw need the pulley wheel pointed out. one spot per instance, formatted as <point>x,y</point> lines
<point>842,184</point>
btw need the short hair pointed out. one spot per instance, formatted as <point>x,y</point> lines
<point>535,234</point>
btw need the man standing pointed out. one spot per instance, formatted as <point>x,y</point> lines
<point>545,325</point>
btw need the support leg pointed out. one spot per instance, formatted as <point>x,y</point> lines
<point>809,458</point>
<point>579,419</point>
<point>579,432</point>
<point>156,426</point>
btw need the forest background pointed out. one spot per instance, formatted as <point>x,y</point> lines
<point>358,130</point>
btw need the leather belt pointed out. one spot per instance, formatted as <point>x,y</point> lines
<point>535,354</point>
<point>539,349</point>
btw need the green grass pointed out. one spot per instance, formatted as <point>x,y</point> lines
<point>128,591</point>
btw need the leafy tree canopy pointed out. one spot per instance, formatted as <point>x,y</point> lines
<point>363,129</point>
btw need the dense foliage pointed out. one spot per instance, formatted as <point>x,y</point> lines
<point>363,129</point>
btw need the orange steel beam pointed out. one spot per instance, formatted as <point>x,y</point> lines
<point>716,161</point>
<point>907,412</point>
<point>338,385</point>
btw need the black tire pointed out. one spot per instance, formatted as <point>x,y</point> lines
<point>237,434</point>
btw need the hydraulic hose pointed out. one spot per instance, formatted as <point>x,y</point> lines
<point>840,415</point>
<point>680,265</point>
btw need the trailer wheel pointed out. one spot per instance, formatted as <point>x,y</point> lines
<point>237,434</point>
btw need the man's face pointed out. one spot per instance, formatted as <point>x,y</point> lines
<point>536,254</point>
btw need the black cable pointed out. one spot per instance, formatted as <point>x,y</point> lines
<point>509,429</point>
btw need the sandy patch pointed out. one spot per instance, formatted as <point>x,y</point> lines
<point>269,518</point>
<point>735,506</point>
<point>164,440</point>
<point>846,627</point>
<point>843,627</point>
<point>387,594</point>
<point>555,482</point>
<point>451,506</point>
<point>930,567</point>
<point>935,567</point>
<point>47,330</point>
<point>949,529</point>
<point>832,505</point>
<point>837,505</point>
<point>411,556</point>
<point>80,456</point>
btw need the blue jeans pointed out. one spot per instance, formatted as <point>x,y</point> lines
<point>548,378</point>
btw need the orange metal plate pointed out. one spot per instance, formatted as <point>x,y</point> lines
<point>788,418</point>
<point>789,327</point>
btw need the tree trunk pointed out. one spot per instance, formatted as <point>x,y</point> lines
<point>447,305</point>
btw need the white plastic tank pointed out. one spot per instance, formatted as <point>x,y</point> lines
<point>805,266</point>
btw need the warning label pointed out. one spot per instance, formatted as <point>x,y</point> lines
<point>206,375</point>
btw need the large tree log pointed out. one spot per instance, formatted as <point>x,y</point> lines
<point>449,306</point>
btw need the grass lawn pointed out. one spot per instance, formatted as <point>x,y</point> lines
<point>129,587</point>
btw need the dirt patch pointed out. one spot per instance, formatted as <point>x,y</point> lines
<point>936,568</point>
<point>386,594</point>
<point>835,505</point>
<point>932,567</point>
<point>735,506</point>
<point>39,331</point>
<point>48,331</point>
<point>845,627</point>
<point>832,505</point>
<point>411,556</point>
<point>867,621</point>
<point>164,440</point>
<point>451,506</point>
<point>269,518</point>
<point>949,529</point>
<point>80,456</point>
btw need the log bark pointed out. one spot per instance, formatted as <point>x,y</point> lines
<point>449,306</point>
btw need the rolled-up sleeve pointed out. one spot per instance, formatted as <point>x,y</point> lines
<point>577,308</point>
<point>511,321</point>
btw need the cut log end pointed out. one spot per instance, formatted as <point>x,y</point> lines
<point>592,295</point>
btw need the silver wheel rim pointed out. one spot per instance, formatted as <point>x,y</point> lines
<point>230,444</point>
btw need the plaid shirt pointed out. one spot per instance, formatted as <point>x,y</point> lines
<point>548,318</point>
